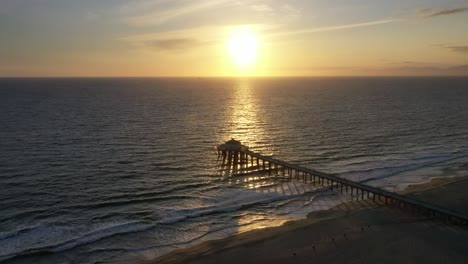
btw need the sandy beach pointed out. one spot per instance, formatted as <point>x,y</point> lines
<point>353,232</point>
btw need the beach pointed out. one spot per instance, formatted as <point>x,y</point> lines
<point>354,232</point>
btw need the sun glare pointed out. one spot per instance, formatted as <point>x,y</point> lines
<point>243,48</point>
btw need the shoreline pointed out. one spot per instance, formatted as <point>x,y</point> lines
<point>366,212</point>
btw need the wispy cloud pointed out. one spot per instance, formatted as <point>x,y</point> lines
<point>455,48</point>
<point>395,69</point>
<point>91,16</point>
<point>262,7</point>
<point>460,69</point>
<point>177,41</point>
<point>424,68</point>
<point>188,13</point>
<point>138,6</point>
<point>160,17</point>
<point>426,13</point>
<point>338,27</point>
<point>176,44</point>
<point>429,12</point>
<point>462,49</point>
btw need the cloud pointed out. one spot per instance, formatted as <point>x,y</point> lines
<point>138,6</point>
<point>455,48</point>
<point>160,17</point>
<point>460,69</point>
<point>429,70</point>
<point>185,39</point>
<point>429,12</point>
<point>262,8</point>
<point>91,16</point>
<point>394,69</point>
<point>278,12</point>
<point>176,44</point>
<point>187,13</point>
<point>461,49</point>
<point>338,27</point>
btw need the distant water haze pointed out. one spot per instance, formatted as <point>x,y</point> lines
<point>117,170</point>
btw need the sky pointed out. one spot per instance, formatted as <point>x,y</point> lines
<point>68,38</point>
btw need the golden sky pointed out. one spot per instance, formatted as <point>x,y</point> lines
<point>232,38</point>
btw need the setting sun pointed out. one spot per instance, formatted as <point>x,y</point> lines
<point>243,48</point>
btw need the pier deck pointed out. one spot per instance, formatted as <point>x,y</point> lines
<point>236,154</point>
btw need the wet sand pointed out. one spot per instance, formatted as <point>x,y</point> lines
<point>354,232</point>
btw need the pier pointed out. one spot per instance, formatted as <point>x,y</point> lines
<point>235,155</point>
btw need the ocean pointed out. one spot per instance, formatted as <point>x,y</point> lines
<point>115,170</point>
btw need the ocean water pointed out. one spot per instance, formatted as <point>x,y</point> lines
<point>119,170</point>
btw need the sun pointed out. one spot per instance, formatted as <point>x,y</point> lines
<point>243,48</point>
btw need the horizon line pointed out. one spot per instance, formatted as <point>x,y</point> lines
<point>232,76</point>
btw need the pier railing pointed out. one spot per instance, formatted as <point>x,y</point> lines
<point>240,155</point>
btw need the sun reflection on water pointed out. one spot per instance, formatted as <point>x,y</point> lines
<point>245,122</point>
<point>252,222</point>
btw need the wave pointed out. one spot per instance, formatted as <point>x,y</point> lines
<point>57,238</point>
<point>121,200</point>
<point>290,204</point>
<point>398,167</point>
<point>99,205</point>
<point>180,186</point>
<point>233,200</point>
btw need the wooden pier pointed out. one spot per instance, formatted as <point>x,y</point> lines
<point>234,154</point>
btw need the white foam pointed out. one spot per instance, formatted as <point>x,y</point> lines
<point>56,238</point>
<point>379,170</point>
<point>231,199</point>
